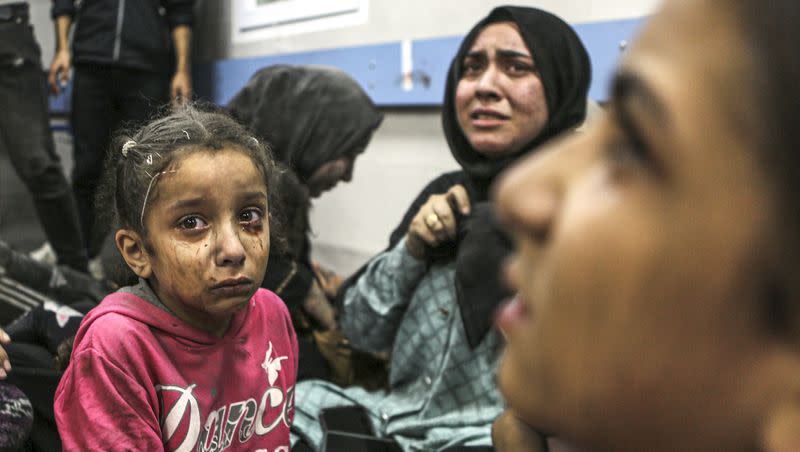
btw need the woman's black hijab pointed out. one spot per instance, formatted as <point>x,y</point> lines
<point>310,115</point>
<point>564,68</point>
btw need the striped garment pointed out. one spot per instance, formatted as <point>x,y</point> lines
<point>26,283</point>
<point>17,298</point>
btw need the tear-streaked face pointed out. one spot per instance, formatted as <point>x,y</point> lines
<point>208,231</point>
<point>500,100</point>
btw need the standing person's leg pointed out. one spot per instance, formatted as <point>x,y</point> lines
<point>136,96</point>
<point>93,119</point>
<point>25,131</point>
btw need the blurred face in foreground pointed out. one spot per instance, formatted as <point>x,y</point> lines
<point>642,250</point>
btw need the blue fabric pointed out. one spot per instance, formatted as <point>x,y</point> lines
<point>442,393</point>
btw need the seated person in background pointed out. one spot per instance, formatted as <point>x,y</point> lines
<point>25,283</point>
<point>16,418</point>
<point>196,350</point>
<point>38,344</point>
<point>657,254</point>
<point>48,302</point>
<point>317,121</point>
<point>520,78</point>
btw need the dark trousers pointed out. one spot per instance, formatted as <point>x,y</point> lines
<point>105,98</point>
<point>25,134</point>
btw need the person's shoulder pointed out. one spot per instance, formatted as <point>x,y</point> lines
<point>110,331</point>
<point>455,176</point>
<point>114,328</point>
<point>444,181</point>
<point>270,312</point>
<point>269,303</point>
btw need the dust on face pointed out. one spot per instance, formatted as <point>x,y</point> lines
<point>208,232</point>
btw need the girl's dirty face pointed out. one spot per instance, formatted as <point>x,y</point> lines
<point>208,236</point>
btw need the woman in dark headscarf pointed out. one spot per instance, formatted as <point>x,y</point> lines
<point>311,116</point>
<point>520,78</point>
<point>317,120</point>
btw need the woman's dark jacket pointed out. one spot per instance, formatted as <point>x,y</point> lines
<point>126,33</point>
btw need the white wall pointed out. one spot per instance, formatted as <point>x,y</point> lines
<point>394,20</point>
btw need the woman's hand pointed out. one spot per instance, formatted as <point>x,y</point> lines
<point>510,433</point>
<point>328,280</point>
<point>319,308</point>
<point>5,364</point>
<point>59,71</point>
<point>435,222</point>
<point>181,88</point>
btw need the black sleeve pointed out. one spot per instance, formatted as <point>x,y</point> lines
<point>289,272</point>
<point>62,8</point>
<point>45,327</point>
<point>25,328</point>
<point>179,12</point>
<point>290,279</point>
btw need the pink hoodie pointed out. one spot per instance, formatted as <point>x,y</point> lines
<point>142,379</point>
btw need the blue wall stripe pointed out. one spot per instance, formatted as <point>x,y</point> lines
<point>377,67</point>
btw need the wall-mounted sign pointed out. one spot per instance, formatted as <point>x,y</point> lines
<point>264,19</point>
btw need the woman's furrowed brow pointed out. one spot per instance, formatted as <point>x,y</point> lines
<point>475,54</point>
<point>505,53</point>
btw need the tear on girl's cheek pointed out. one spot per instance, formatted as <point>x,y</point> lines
<point>259,247</point>
<point>258,244</point>
<point>184,254</point>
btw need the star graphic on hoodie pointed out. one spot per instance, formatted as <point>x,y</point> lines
<point>272,366</point>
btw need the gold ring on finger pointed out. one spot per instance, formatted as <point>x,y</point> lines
<point>432,220</point>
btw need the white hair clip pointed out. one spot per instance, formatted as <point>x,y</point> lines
<point>187,135</point>
<point>125,147</point>
<point>255,140</point>
<point>149,159</point>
